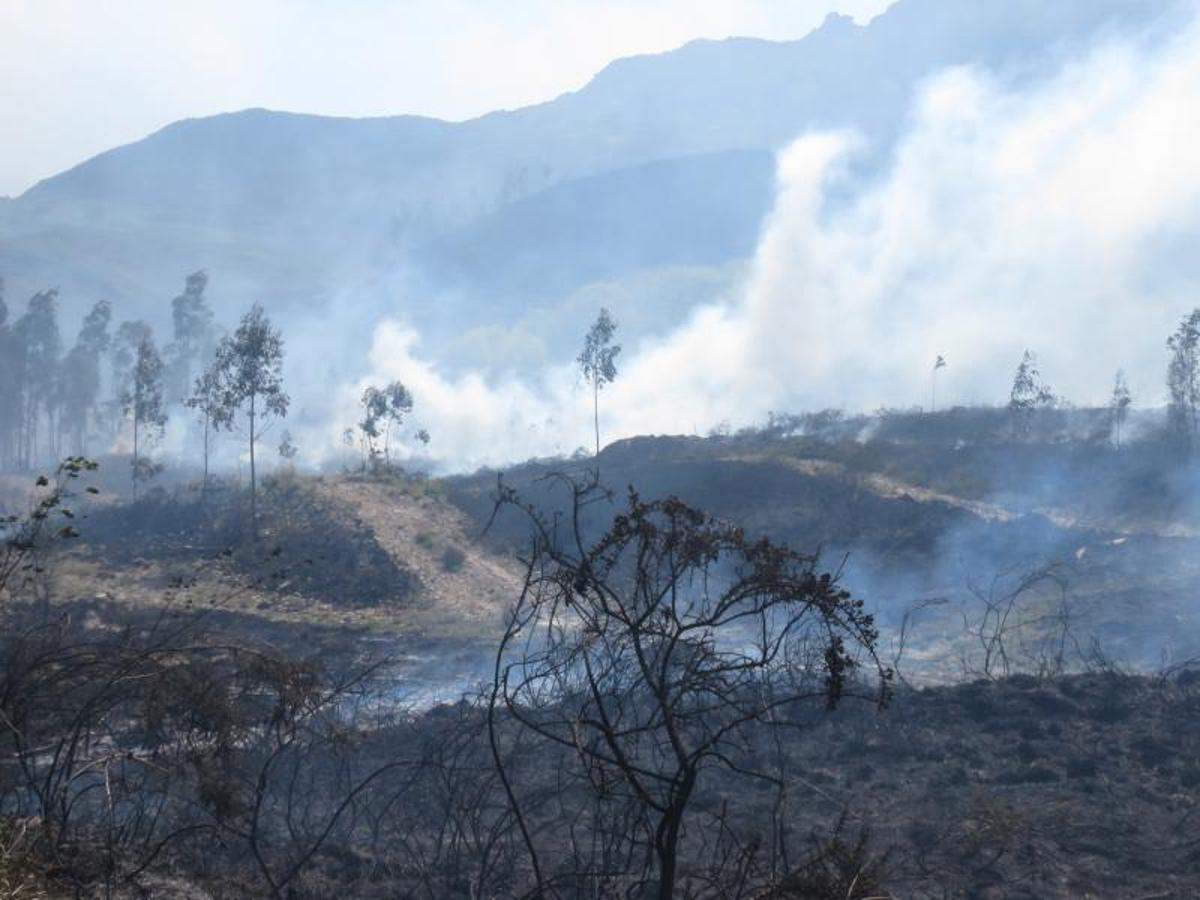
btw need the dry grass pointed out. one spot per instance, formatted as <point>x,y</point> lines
<point>19,877</point>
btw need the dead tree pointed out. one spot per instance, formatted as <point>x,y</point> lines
<point>659,653</point>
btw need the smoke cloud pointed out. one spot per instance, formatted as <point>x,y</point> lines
<point>1061,217</point>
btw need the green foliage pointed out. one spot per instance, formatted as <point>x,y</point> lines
<point>1118,406</point>
<point>143,403</point>
<point>598,361</point>
<point>11,372</point>
<point>598,358</point>
<point>1028,395</point>
<point>249,365</point>
<point>129,337</point>
<point>1183,381</point>
<point>384,409</point>
<point>193,334</point>
<point>24,539</point>
<point>79,376</point>
<point>38,346</point>
<point>249,375</point>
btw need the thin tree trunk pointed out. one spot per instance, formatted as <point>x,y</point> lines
<point>136,403</point>
<point>204,483</point>
<point>30,429</point>
<point>596,410</point>
<point>253,481</point>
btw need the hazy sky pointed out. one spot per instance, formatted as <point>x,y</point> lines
<point>80,76</point>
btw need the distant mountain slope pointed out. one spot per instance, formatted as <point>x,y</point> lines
<point>695,210</point>
<point>632,171</point>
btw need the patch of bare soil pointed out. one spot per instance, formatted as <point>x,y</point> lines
<point>463,585</point>
<point>451,586</point>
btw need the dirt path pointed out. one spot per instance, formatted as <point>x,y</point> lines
<point>884,485</point>
<point>887,486</point>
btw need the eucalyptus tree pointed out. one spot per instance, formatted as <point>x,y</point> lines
<point>1118,406</point>
<point>194,336</point>
<point>79,384</point>
<point>249,368</point>
<point>143,403</point>
<point>938,364</point>
<point>39,346</point>
<point>207,401</point>
<point>10,396</point>
<point>121,360</point>
<point>597,361</point>
<point>384,409</point>
<point>1027,395</point>
<point>1183,380</point>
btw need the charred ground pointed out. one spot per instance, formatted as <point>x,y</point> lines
<point>1048,753</point>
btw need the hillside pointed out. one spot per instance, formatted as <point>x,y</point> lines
<point>929,522</point>
<point>1040,740</point>
<point>342,552</point>
<point>633,172</point>
<point>919,521</point>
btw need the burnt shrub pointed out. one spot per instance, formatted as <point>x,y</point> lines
<point>453,559</point>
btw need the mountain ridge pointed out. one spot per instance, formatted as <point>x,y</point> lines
<point>296,208</point>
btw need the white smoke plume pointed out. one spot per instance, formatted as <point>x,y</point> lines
<point>1062,217</point>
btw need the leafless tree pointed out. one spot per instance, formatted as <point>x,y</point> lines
<point>658,653</point>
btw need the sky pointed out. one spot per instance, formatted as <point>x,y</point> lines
<point>78,77</point>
